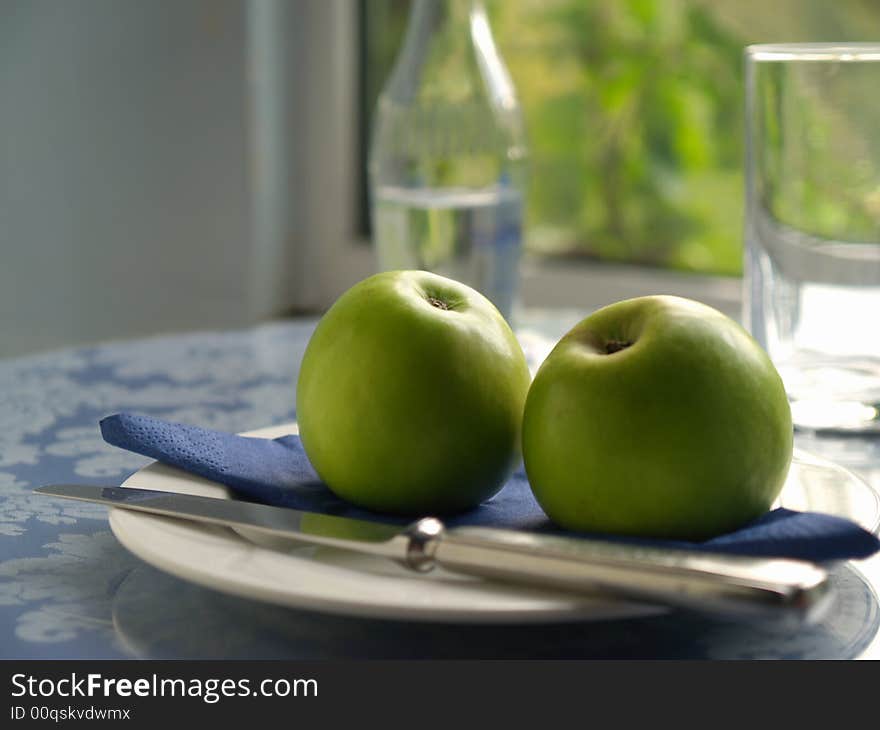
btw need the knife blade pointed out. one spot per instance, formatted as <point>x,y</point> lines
<point>732,585</point>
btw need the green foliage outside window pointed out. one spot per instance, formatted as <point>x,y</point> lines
<point>634,114</point>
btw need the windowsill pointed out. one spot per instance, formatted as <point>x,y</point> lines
<point>573,285</point>
<point>549,284</point>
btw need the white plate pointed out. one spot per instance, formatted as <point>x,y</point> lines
<point>336,581</point>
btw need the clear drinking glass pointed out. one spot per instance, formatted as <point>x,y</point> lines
<point>812,229</point>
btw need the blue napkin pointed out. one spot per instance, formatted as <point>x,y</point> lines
<point>277,472</point>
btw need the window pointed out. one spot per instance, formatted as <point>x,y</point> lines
<point>634,112</point>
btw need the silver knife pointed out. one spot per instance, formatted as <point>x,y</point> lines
<point>734,585</point>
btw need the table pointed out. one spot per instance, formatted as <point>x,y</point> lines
<point>68,589</point>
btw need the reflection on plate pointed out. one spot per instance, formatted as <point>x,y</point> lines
<point>340,582</point>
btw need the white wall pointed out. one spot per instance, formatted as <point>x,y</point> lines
<point>124,194</point>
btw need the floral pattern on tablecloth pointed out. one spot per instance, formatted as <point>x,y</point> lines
<point>50,406</point>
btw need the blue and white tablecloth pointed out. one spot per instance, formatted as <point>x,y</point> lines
<point>69,590</point>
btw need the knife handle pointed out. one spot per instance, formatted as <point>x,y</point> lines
<point>694,580</point>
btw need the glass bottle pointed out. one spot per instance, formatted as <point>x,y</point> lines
<point>448,155</point>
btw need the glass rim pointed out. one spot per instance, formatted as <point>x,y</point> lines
<point>840,52</point>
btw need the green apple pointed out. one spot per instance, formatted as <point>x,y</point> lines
<point>657,417</point>
<point>411,394</point>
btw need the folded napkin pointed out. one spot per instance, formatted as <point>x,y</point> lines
<point>277,472</point>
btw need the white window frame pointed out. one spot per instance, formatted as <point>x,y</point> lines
<point>313,105</point>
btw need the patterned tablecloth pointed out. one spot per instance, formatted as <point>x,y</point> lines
<point>68,589</point>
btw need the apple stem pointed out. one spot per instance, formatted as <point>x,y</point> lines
<point>613,346</point>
